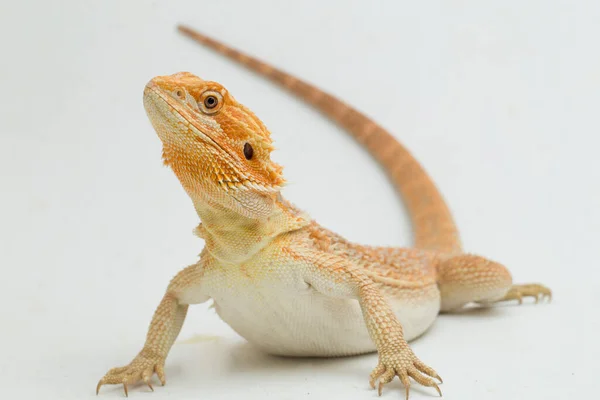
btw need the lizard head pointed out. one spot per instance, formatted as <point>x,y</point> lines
<point>219,150</point>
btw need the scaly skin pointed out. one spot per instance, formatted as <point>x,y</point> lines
<point>432,222</point>
<point>286,284</point>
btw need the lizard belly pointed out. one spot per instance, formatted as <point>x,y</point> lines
<point>296,320</point>
<point>296,323</point>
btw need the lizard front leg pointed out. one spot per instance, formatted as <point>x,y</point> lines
<point>164,328</point>
<point>335,276</point>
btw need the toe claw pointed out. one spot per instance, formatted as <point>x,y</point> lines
<point>377,372</point>
<point>125,389</point>
<point>439,378</point>
<point>437,388</point>
<point>406,382</point>
<point>98,387</point>
<point>147,381</point>
<point>160,372</point>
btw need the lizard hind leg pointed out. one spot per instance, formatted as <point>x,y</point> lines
<point>467,278</point>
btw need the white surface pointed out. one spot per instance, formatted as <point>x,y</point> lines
<point>499,101</point>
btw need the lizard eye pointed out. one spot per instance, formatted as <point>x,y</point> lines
<point>210,102</point>
<point>248,151</point>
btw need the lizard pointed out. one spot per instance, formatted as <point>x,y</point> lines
<point>282,281</point>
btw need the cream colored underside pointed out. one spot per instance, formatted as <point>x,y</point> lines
<point>288,317</point>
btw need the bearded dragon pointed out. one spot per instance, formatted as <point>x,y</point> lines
<point>283,282</point>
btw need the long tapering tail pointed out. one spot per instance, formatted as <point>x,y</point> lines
<point>433,225</point>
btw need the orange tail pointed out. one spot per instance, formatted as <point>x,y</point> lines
<point>431,219</point>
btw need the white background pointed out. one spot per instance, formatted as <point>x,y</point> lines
<point>498,100</point>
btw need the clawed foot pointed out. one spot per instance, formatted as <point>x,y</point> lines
<point>405,365</point>
<point>140,369</point>
<point>537,291</point>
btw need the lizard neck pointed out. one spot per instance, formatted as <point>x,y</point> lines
<point>232,238</point>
